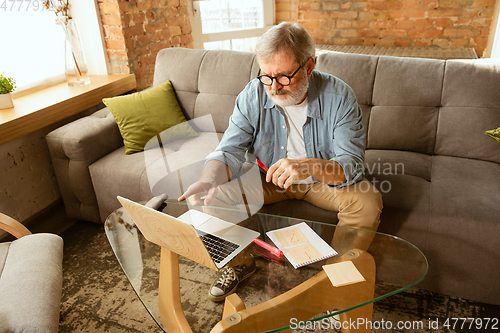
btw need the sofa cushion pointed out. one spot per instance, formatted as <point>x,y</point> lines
<point>472,83</point>
<point>170,169</point>
<point>220,107</point>
<point>471,105</point>
<point>411,128</point>
<point>210,84</point>
<point>223,75</point>
<point>72,148</point>
<point>406,211</point>
<point>357,70</point>
<point>465,189</point>
<point>395,162</point>
<point>4,250</point>
<point>185,78</point>
<point>463,235</point>
<point>226,73</point>
<point>408,82</point>
<point>460,132</point>
<point>143,115</point>
<point>31,284</point>
<point>403,178</point>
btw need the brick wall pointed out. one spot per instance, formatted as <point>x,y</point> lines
<point>287,10</point>
<point>134,32</point>
<point>441,23</point>
<point>28,183</point>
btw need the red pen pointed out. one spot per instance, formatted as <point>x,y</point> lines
<point>263,167</point>
<point>278,253</point>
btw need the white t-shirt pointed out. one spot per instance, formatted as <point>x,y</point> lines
<point>295,117</point>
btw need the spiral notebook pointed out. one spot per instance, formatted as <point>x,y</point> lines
<point>301,245</point>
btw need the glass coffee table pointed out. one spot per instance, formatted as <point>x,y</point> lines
<point>278,297</point>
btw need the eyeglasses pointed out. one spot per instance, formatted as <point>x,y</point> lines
<point>283,80</point>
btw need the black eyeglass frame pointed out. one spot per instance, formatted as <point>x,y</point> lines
<point>272,78</point>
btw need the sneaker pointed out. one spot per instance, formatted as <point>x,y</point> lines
<point>228,281</point>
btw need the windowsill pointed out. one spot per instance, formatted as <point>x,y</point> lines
<point>42,108</point>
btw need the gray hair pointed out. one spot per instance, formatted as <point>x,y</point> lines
<point>286,37</point>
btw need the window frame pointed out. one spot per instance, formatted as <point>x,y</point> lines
<point>200,38</point>
<point>87,16</point>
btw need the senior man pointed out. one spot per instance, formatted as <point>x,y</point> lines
<point>307,127</point>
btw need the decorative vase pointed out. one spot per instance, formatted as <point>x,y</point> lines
<point>6,101</point>
<point>76,67</point>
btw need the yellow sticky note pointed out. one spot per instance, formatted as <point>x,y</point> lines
<point>303,253</point>
<point>343,273</point>
<point>289,237</point>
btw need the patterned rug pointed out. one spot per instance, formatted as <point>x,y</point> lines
<point>97,297</point>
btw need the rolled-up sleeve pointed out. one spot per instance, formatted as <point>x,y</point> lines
<point>237,138</point>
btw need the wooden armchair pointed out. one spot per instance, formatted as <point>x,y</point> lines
<point>30,279</point>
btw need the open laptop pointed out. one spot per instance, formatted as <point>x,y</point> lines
<point>195,235</point>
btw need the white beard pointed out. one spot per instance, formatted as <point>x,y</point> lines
<point>284,98</point>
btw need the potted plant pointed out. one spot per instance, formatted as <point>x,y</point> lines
<point>7,85</point>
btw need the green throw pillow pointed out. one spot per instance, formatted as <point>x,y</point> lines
<point>143,115</point>
<point>495,134</point>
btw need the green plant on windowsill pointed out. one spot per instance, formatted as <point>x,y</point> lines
<point>7,84</point>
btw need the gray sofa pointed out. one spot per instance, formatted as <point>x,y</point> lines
<point>426,152</point>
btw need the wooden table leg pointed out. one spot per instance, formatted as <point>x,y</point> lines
<point>169,294</point>
<point>232,304</point>
<point>308,299</point>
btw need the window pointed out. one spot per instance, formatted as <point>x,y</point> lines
<point>231,24</point>
<point>495,53</point>
<point>33,50</point>
<point>241,44</point>
<point>229,15</point>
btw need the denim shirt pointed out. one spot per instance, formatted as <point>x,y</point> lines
<point>333,129</point>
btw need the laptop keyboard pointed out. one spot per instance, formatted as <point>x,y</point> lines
<point>218,248</point>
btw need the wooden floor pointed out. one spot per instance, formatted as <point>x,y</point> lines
<point>51,220</point>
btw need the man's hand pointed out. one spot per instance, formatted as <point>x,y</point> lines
<point>204,190</point>
<point>284,172</point>
<point>200,193</point>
